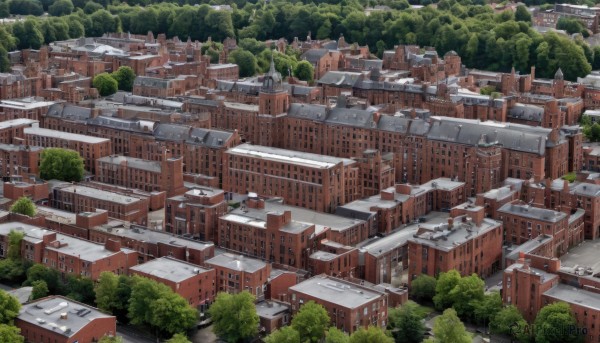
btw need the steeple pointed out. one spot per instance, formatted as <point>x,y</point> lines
<point>559,75</point>
<point>272,79</point>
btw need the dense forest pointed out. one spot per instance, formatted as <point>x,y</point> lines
<point>484,39</point>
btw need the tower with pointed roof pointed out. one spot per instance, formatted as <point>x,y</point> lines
<point>273,103</point>
<point>273,99</point>
<point>559,84</point>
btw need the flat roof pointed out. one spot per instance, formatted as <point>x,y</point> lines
<point>169,269</point>
<point>237,262</point>
<point>46,313</point>
<point>132,162</point>
<point>85,250</point>
<point>271,309</point>
<point>25,104</point>
<point>16,122</point>
<point>446,237</point>
<point>64,135</point>
<point>32,233</point>
<point>528,211</point>
<point>100,194</point>
<point>576,296</point>
<point>288,156</point>
<point>342,292</point>
<point>142,234</point>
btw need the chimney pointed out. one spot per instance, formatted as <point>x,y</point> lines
<point>450,222</point>
<point>403,188</point>
<point>112,245</point>
<point>63,316</point>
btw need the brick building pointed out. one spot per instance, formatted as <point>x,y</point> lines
<point>29,108</point>
<point>77,198</point>
<point>35,191</point>
<point>89,148</point>
<point>194,283</point>
<point>196,213</point>
<point>350,306</point>
<point>13,131</point>
<point>469,244</point>
<point>313,181</point>
<point>62,320</point>
<point>274,237</point>
<point>236,273</point>
<point>149,176</point>
<point>22,160</point>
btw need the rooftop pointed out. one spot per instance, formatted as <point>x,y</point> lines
<point>167,268</point>
<point>16,122</point>
<point>343,293</point>
<point>271,309</point>
<point>237,262</point>
<point>48,313</point>
<point>132,162</point>
<point>528,211</point>
<point>446,237</point>
<point>288,156</point>
<point>64,135</point>
<point>100,194</point>
<point>32,233</point>
<point>575,296</point>
<point>24,104</point>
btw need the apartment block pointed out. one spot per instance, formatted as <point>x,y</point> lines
<point>237,273</point>
<point>350,306</point>
<point>194,283</point>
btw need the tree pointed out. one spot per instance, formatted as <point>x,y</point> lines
<point>28,34</point>
<point>155,304</point>
<point>449,329</point>
<point>284,335</point>
<point>105,84</point>
<point>14,243</point>
<point>335,335</point>
<point>106,291</point>
<point>40,289</point>
<point>179,338</point>
<point>234,316</point>
<point>245,60</point>
<point>49,276</point>
<point>4,60</point>
<point>405,323</point>
<point>110,339</point>
<point>9,308</point>
<point>61,164</point>
<point>445,284</point>
<point>304,71</point>
<point>60,8</point>
<point>81,288</point>
<point>12,334</point>
<point>125,77</point>
<point>91,7</point>
<point>485,309</point>
<point>373,334</point>
<point>311,321</point>
<point>509,321</point>
<point>14,270</point>
<point>522,14</point>
<point>24,206</point>
<point>468,290</point>
<point>423,287</point>
<point>551,321</point>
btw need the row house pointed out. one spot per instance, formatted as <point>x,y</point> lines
<point>29,108</point>
<point>21,160</point>
<point>13,131</point>
<point>334,259</point>
<point>196,213</point>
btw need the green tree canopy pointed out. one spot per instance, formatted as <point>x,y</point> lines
<point>80,288</point>
<point>5,65</point>
<point>61,164</point>
<point>304,71</point>
<point>445,284</point>
<point>14,243</point>
<point>24,206</point>
<point>449,329</point>
<point>9,308</point>
<point>405,323</point>
<point>522,14</point>
<point>234,316</point>
<point>125,77</point>
<point>245,60</point>
<point>12,334</point>
<point>423,287</point>
<point>60,8</point>
<point>13,271</point>
<point>485,309</point>
<point>39,289</point>
<point>179,338</point>
<point>335,335</point>
<point>284,335</point>
<point>469,290</point>
<point>105,84</point>
<point>111,339</point>
<point>311,321</point>
<point>373,334</point>
<point>50,276</point>
<point>509,321</point>
<point>551,321</point>
<point>106,291</point>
